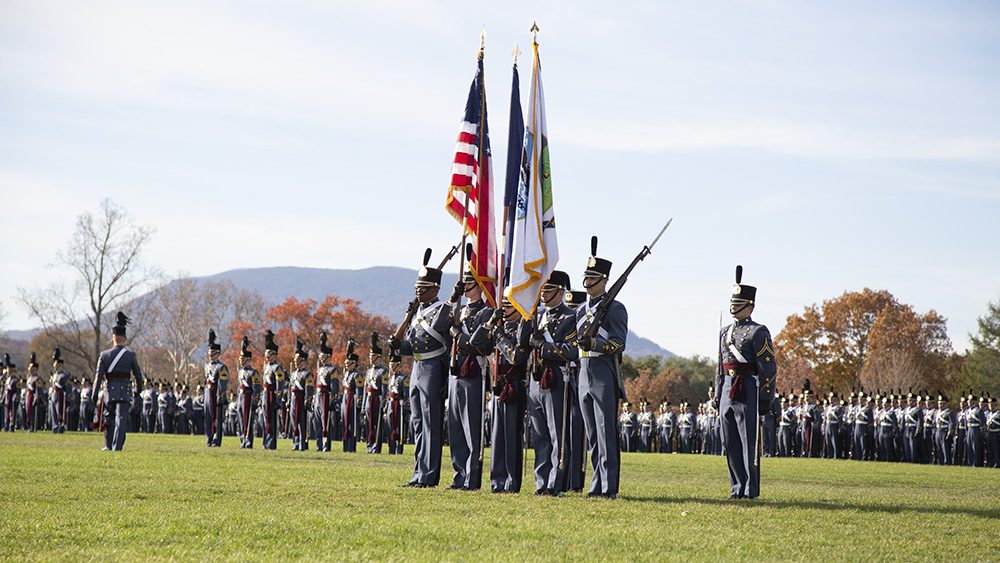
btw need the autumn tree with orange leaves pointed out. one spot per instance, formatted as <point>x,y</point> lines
<point>865,339</point>
<point>339,317</point>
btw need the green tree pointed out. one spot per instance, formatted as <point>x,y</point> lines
<point>981,366</point>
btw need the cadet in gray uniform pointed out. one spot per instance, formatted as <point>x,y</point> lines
<point>992,434</point>
<point>298,383</point>
<point>627,424</point>
<point>326,381</point>
<point>115,369</point>
<point>549,392</point>
<point>165,412</point>
<point>246,375</point>
<point>886,421</point>
<point>12,389</point>
<point>944,421</point>
<point>394,412</point>
<point>913,418</point>
<point>473,344</point>
<point>428,340</point>
<point>507,440</point>
<point>373,396</point>
<point>273,375</point>
<point>216,382</point>
<point>600,379</point>
<point>577,453</point>
<point>349,408</point>
<point>60,386</point>
<point>974,437</point>
<point>32,386</point>
<point>744,388</point>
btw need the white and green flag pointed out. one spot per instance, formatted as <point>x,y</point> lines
<point>534,251</point>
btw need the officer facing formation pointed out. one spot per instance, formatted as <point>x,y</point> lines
<point>745,388</point>
<point>115,369</point>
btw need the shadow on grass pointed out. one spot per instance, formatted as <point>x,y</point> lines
<point>895,508</point>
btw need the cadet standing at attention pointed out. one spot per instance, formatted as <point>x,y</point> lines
<point>115,369</point>
<point>506,456</point>
<point>427,339</point>
<point>373,396</point>
<point>600,377</point>
<point>246,375</point>
<point>744,388</point>
<point>273,375</point>
<point>60,386</point>
<point>326,374</point>
<point>298,386</point>
<point>348,409</point>
<point>394,412</point>
<point>216,382</point>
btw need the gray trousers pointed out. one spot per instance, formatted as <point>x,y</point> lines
<point>739,436</point>
<point>943,447</point>
<point>599,407</point>
<point>114,438</point>
<point>507,441</point>
<point>545,408</point>
<point>425,408</point>
<point>465,430</point>
<point>576,452</point>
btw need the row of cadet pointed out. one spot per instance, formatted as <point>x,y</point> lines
<point>893,426</point>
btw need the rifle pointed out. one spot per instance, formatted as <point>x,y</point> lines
<point>612,293</point>
<point>411,309</point>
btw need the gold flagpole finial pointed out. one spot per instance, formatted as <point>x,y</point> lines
<point>517,52</point>
<point>534,30</point>
<point>482,39</point>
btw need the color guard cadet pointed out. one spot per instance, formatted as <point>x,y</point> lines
<point>549,393</point>
<point>373,396</point>
<point>473,343</point>
<point>944,422</point>
<point>427,339</point>
<point>115,369</point>
<point>12,391</point>
<point>246,375</point>
<point>216,383</point>
<point>745,387</point>
<point>349,407</point>
<point>297,386</point>
<point>992,433</point>
<point>974,438</point>
<point>913,418</point>
<point>32,387</point>
<point>513,338</point>
<point>274,374</point>
<point>60,385</point>
<point>326,380</point>
<point>600,376</point>
<point>577,452</point>
<point>394,412</point>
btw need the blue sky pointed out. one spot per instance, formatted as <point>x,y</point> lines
<point>825,147</point>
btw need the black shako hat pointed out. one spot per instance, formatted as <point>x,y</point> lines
<point>57,355</point>
<point>596,267</point>
<point>427,276</point>
<point>300,350</point>
<point>575,298</point>
<point>213,344</point>
<point>557,280</point>
<point>351,354</point>
<point>121,321</point>
<point>742,294</point>
<point>245,348</point>
<point>376,350</point>
<point>324,348</point>
<point>269,341</point>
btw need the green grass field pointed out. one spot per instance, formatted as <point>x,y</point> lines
<point>169,497</point>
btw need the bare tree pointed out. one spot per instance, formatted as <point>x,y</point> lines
<point>105,256</point>
<point>182,311</point>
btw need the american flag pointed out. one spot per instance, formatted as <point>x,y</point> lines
<point>470,194</point>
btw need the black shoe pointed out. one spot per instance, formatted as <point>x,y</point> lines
<point>424,485</point>
<point>454,487</point>
<point>410,484</point>
<point>609,496</point>
<point>541,492</point>
<point>593,494</point>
